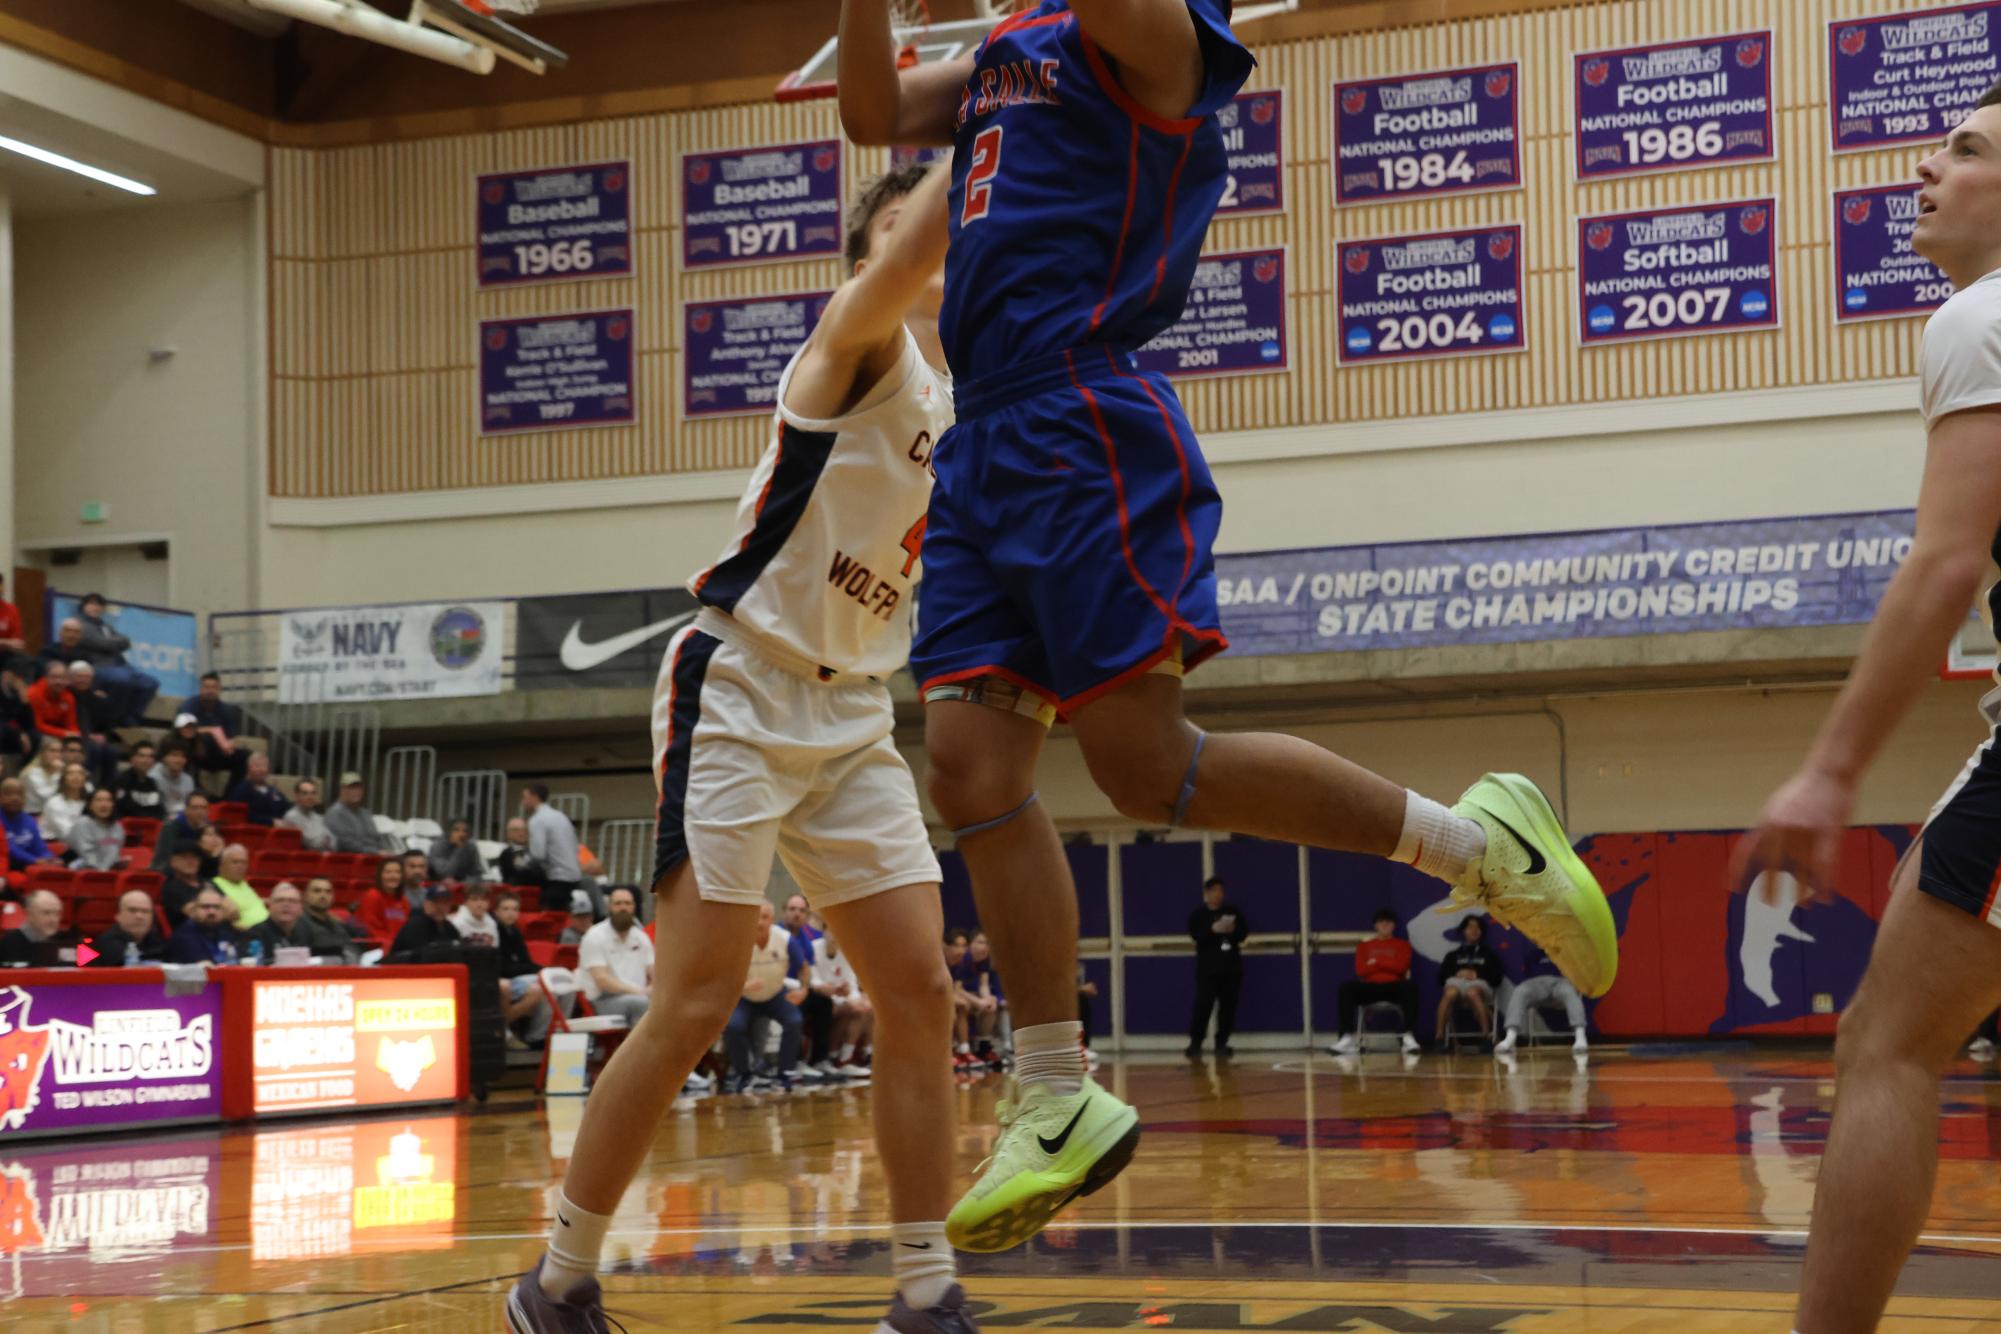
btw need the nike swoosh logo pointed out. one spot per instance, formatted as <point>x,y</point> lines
<point>1536,863</point>
<point>916,1245</point>
<point>581,657</point>
<point>560,1219</point>
<point>1055,1146</point>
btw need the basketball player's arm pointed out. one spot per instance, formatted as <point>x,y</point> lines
<point>881,104</point>
<point>1959,511</point>
<point>869,309</point>
<point>1154,42</point>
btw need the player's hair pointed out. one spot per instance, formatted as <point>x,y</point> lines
<point>1384,915</point>
<point>892,185</point>
<point>1990,98</point>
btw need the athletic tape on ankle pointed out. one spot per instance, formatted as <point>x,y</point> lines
<point>996,822</point>
<point>1188,782</point>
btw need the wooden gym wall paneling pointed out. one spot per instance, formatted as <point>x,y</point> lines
<point>376,307</point>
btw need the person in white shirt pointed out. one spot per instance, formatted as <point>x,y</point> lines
<point>616,959</point>
<point>306,817</point>
<point>41,779</point>
<point>1935,969</point>
<point>65,807</point>
<point>476,924</point>
<point>772,992</point>
<point>854,1018</point>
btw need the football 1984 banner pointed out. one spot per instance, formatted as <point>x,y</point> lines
<point>1439,133</point>
<point>1447,294</point>
<point>1877,275</point>
<point>1672,272</point>
<point>760,205</point>
<point>1671,106</point>
<point>1911,77</point>
<point>555,224</point>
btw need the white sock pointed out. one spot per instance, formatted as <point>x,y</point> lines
<point>963,1049</point>
<point>1047,1055</point>
<point>1436,841</point>
<point>575,1239</point>
<point>847,1054</point>
<point>924,1263</point>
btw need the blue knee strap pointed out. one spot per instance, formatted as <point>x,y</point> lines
<point>1188,782</point>
<point>996,822</point>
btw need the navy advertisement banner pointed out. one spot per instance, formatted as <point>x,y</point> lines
<point>1877,276</point>
<point>1252,144</point>
<point>1677,271</point>
<point>1757,574</point>
<point>761,205</point>
<point>1443,133</point>
<point>555,224</point>
<point>1447,294</point>
<point>1234,323</point>
<point>1673,105</point>
<point>553,372</point>
<point>1909,78</point>
<point>733,352</point>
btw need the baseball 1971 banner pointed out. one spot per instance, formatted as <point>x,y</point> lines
<point>420,650</point>
<point>1876,273</point>
<point>78,1057</point>
<point>758,205</point>
<point>1234,322</point>
<point>733,352</point>
<point>1673,105</point>
<point>1441,133</point>
<point>1759,574</point>
<point>557,223</point>
<point>1251,145</point>
<point>551,373</point>
<point>1447,294</point>
<point>1677,271</point>
<point>1910,77</point>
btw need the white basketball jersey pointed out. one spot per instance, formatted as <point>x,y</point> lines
<point>825,555</point>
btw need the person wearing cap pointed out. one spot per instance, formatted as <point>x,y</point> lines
<point>351,823</point>
<point>171,774</point>
<point>433,926</point>
<point>184,880</point>
<point>104,647</point>
<point>582,918</point>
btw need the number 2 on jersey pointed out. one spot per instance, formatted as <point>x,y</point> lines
<point>980,176</point>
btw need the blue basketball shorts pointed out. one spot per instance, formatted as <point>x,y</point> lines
<point>1070,543</point>
<point>1959,860</point>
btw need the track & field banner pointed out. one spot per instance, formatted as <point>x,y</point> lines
<point>1877,275</point>
<point>1234,322</point>
<point>1909,78</point>
<point>734,352</point>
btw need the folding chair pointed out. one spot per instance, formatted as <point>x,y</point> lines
<point>561,983</point>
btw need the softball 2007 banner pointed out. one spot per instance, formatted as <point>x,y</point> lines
<point>557,223</point>
<point>419,650</point>
<point>1670,272</point>
<point>1910,77</point>
<point>733,352</point>
<point>1447,294</point>
<point>1251,147</point>
<point>1674,105</point>
<point>1234,322</point>
<point>1446,132</point>
<point>549,373</point>
<point>758,205</point>
<point>1876,273</point>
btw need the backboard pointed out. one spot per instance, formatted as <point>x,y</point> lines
<point>922,45</point>
<point>1972,654</point>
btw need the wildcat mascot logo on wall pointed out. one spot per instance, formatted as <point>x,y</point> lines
<point>23,1053</point>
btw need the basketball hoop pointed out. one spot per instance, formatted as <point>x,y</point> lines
<point>490,7</point>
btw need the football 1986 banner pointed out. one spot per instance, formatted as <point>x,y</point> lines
<point>1251,147</point>
<point>1662,274</point>
<point>1234,322</point>
<point>1447,294</point>
<point>1670,106</point>
<point>1440,133</point>
<point>733,352</point>
<point>555,224</point>
<point>759,205</point>
<point>1877,274</point>
<point>1911,77</point>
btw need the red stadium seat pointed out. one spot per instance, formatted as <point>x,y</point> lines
<point>284,836</point>
<point>94,915</point>
<point>543,952</point>
<point>97,884</point>
<point>140,829</point>
<point>264,884</point>
<point>266,862</point>
<point>229,812</point>
<point>150,881</point>
<point>57,878</point>
<point>543,925</point>
<point>566,956</point>
<point>11,915</point>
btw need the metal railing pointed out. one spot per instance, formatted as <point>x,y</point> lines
<point>409,785</point>
<point>477,796</point>
<point>625,851</point>
<point>577,806</point>
<point>320,740</point>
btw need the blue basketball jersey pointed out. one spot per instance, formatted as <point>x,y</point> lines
<point>1077,214</point>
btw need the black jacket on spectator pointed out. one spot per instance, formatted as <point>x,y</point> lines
<point>268,934</point>
<point>138,796</point>
<point>420,933</point>
<point>175,897</point>
<point>211,713</point>
<point>102,646</point>
<point>1218,951</point>
<point>267,804</point>
<point>110,947</point>
<point>195,943</point>
<point>1481,958</point>
<point>515,961</point>
<point>17,725</point>
<point>96,715</point>
<point>518,868</point>
<point>20,950</point>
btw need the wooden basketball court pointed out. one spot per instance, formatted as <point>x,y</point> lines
<point>1645,1191</point>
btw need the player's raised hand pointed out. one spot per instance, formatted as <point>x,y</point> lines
<point>1799,831</point>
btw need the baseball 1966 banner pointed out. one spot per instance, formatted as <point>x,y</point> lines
<point>552,373</point>
<point>1876,272</point>
<point>1445,132</point>
<point>1234,322</point>
<point>1757,574</point>
<point>759,205</point>
<point>733,352</point>
<point>82,1056</point>
<point>1710,269</point>
<point>1447,294</point>
<point>1673,105</point>
<point>1910,77</point>
<point>1251,145</point>
<point>555,223</point>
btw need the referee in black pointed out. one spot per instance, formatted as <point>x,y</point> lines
<point>1218,929</point>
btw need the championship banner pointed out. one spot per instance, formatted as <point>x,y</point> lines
<point>554,224</point>
<point>1234,322</point>
<point>1759,574</point>
<point>81,1057</point>
<point>1441,133</point>
<point>164,641</point>
<point>733,352</point>
<point>1448,294</point>
<point>1877,275</point>
<point>424,650</point>
<point>761,205</point>
<point>1673,105</point>
<point>1911,77</point>
<point>551,373</point>
<point>1671,272</point>
<point>364,1042</point>
<point>1251,146</point>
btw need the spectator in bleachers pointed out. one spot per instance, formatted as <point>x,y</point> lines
<point>172,778</point>
<point>615,960</point>
<point>96,716</point>
<point>134,937</point>
<point>305,816</point>
<point>1542,984</point>
<point>581,920</point>
<point>24,833</point>
<point>18,737</point>
<point>204,937</point>
<point>51,703</point>
<point>186,826</point>
<point>981,983</point>
<point>1218,929</point>
<point>474,922</point>
<point>184,880</point>
<point>817,1010</point>
<point>516,867</point>
<point>331,937</point>
<point>232,876</point>
<point>772,991</point>
<point>137,795</point>
<point>216,726</point>
<point>521,997</point>
<point>64,649</point>
<point>416,873</point>
<point>351,823</point>
<point>23,946</point>
<point>97,840</point>
<point>1382,973</point>
<point>456,856</point>
<point>267,805</point>
<point>431,925</point>
<point>65,807</point>
<point>956,941</point>
<point>211,842</point>
<point>284,925</point>
<point>384,907</point>
<point>854,1017</point>
<point>552,845</point>
<point>1471,975</point>
<point>40,780</point>
<point>106,648</point>
<point>14,655</point>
